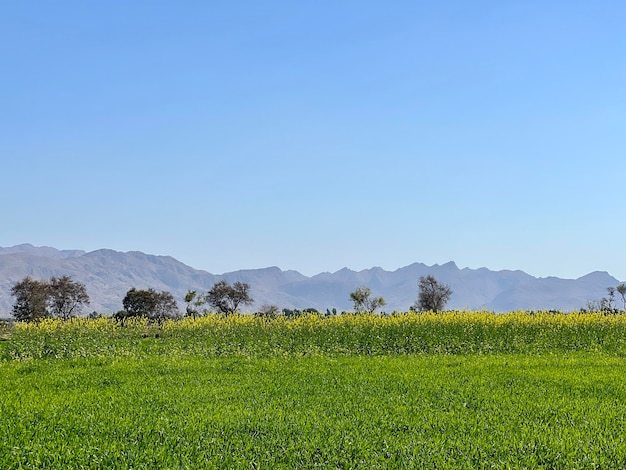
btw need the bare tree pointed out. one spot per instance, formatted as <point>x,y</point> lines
<point>432,296</point>
<point>611,298</point>
<point>622,292</point>
<point>267,311</point>
<point>226,299</point>
<point>593,305</point>
<point>363,302</point>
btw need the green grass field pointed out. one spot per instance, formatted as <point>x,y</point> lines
<point>94,395</point>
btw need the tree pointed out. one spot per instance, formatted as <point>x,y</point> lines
<point>593,305</point>
<point>193,301</point>
<point>31,299</point>
<point>267,311</point>
<point>226,299</point>
<point>432,295</point>
<point>66,297</point>
<point>150,304</point>
<point>292,313</point>
<point>139,302</point>
<point>611,298</point>
<point>60,297</point>
<point>363,302</point>
<point>165,307</point>
<point>622,291</point>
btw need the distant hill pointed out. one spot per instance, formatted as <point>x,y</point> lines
<point>41,250</point>
<point>109,274</point>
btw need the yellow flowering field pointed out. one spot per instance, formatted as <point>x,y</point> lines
<point>452,332</point>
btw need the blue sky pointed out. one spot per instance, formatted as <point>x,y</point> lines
<point>318,135</point>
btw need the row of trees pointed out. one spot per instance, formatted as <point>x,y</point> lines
<point>222,297</point>
<point>59,297</point>
<point>64,298</point>
<point>432,296</point>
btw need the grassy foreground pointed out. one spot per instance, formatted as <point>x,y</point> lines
<point>93,395</point>
<point>502,411</point>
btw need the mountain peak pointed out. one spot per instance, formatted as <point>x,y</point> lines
<point>109,274</point>
<point>600,276</point>
<point>450,265</point>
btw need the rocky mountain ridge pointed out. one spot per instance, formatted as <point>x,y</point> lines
<point>109,274</point>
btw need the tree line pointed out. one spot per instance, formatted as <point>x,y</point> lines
<point>64,298</point>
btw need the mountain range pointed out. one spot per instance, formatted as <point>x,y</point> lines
<point>109,274</point>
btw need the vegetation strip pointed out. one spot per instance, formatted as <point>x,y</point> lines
<point>416,390</point>
<point>250,336</point>
<point>462,411</point>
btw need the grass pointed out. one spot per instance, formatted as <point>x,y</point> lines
<point>244,394</point>
<point>499,411</point>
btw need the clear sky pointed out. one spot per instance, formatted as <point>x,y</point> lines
<point>318,135</point>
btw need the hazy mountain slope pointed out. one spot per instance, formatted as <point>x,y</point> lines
<point>109,274</point>
<point>41,251</point>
